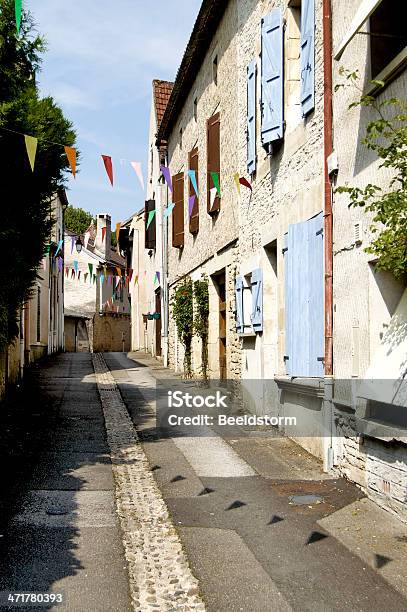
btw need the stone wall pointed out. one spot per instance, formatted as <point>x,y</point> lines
<point>107,332</point>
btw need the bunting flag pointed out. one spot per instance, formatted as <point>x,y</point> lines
<point>107,160</point>
<point>79,275</point>
<point>192,176</point>
<point>245,183</point>
<point>117,281</point>
<point>86,239</point>
<point>136,279</point>
<point>237,181</point>
<point>167,176</point>
<point>18,10</point>
<point>215,178</point>
<point>71,155</point>
<point>102,278</point>
<point>60,264</point>
<point>213,194</point>
<point>157,275</point>
<point>60,243</point>
<point>90,266</point>
<point>110,279</point>
<point>118,226</point>
<point>94,278</point>
<point>103,234</point>
<point>137,168</point>
<point>31,146</point>
<point>44,263</point>
<point>85,278</point>
<point>168,210</point>
<point>73,274</point>
<point>75,265</point>
<point>130,274</point>
<point>73,240</point>
<point>191,204</point>
<point>150,218</point>
<point>119,271</point>
<point>67,271</point>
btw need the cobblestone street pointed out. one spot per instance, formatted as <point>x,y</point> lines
<point>116,516</point>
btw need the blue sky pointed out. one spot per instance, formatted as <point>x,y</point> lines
<point>102,57</point>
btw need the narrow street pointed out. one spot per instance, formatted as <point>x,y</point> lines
<point>82,515</point>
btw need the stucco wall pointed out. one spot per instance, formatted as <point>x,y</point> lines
<point>109,331</point>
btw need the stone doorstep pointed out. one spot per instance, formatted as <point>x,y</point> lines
<point>374,535</point>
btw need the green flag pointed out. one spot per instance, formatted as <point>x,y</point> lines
<point>215,178</point>
<point>150,217</point>
<point>18,7</point>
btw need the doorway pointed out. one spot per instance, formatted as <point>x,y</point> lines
<point>221,288</point>
<point>158,323</point>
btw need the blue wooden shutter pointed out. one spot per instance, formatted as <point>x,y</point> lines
<point>272,77</point>
<point>304,298</point>
<point>316,295</point>
<point>257,300</point>
<point>251,117</point>
<point>307,56</point>
<point>239,304</point>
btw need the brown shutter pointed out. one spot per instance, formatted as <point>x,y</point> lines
<point>150,232</point>
<point>178,211</point>
<point>213,159</point>
<point>194,218</point>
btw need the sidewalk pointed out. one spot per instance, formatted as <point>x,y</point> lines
<point>250,546</point>
<point>58,525</point>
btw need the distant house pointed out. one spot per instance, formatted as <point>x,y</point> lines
<point>97,307</point>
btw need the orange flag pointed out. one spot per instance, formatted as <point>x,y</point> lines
<point>118,226</point>
<point>71,155</point>
<point>109,167</point>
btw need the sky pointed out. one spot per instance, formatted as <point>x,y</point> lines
<point>101,58</point>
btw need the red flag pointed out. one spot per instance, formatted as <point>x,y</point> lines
<point>109,167</point>
<point>103,234</point>
<point>245,183</point>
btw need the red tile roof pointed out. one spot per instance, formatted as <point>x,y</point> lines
<point>162,91</point>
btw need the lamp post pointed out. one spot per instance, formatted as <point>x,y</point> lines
<point>78,245</point>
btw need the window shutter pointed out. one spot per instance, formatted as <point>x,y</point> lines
<point>178,211</point>
<point>316,295</point>
<point>150,233</point>
<point>194,218</point>
<point>213,160</point>
<point>307,56</point>
<point>257,299</point>
<point>251,117</point>
<point>272,78</point>
<point>239,304</point>
<point>304,298</point>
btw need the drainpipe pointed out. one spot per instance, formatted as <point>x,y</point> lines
<point>328,234</point>
<point>164,276</point>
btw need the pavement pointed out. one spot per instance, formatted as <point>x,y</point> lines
<point>250,546</point>
<point>58,523</point>
<point>66,524</point>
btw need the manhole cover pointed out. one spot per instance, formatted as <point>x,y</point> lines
<point>56,511</point>
<point>306,500</point>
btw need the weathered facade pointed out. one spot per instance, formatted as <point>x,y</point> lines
<point>41,325</point>
<point>370,311</point>
<point>97,308</point>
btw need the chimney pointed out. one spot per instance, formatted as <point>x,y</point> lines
<point>103,236</point>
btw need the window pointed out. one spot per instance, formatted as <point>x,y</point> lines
<point>39,314</point>
<point>194,172</point>
<point>150,221</point>
<point>195,109</point>
<point>388,33</point>
<point>178,211</point>
<point>249,302</point>
<point>304,298</point>
<point>213,163</point>
<point>215,69</point>
<point>180,139</point>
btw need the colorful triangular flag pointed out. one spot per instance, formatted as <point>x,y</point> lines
<point>168,210</point>
<point>191,204</point>
<point>245,183</point>
<point>150,218</point>
<point>86,239</point>
<point>18,9</point>
<point>137,168</point>
<point>90,266</point>
<point>60,243</point>
<point>213,195</point>
<point>167,176</point>
<point>215,178</point>
<point>107,160</point>
<point>71,155</point>
<point>31,146</point>
<point>192,176</point>
<point>236,177</point>
<point>103,234</point>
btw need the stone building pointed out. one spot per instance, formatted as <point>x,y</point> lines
<point>370,307</point>
<point>97,308</point>
<point>41,322</point>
